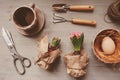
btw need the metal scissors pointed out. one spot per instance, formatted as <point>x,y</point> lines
<point>25,62</point>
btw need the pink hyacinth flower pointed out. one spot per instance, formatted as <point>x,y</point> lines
<point>77,34</point>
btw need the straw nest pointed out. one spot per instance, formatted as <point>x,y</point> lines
<point>112,58</point>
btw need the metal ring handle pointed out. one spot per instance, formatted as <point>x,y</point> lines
<point>18,71</point>
<point>24,64</point>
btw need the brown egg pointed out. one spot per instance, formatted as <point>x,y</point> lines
<point>108,45</point>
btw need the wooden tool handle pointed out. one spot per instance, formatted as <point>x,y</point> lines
<point>84,22</point>
<point>81,8</point>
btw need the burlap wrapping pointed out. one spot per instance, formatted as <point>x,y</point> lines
<point>46,58</point>
<point>76,64</point>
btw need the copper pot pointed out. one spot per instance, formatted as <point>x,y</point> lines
<point>28,19</point>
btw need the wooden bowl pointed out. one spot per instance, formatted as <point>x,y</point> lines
<point>111,58</point>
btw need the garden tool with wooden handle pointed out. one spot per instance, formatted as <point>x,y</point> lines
<point>59,19</point>
<point>64,7</point>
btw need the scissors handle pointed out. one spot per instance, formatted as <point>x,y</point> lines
<point>26,60</point>
<point>23,65</point>
<point>16,67</point>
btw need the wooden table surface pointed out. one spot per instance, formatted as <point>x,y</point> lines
<point>27,46</point>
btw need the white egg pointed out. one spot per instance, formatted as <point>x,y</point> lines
<point>108,45</point>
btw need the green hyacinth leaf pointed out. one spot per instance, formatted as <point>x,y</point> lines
<point>55,42</point>
<point>77,42</point>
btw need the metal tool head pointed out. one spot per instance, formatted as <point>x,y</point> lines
<point>7,37</point>
<point>60,7</point>
<point>59,19</point>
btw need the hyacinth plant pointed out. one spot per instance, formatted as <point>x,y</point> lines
<point>55,43</point>
<point>77,41</point>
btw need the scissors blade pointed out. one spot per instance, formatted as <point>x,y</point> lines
<point>6,37</point>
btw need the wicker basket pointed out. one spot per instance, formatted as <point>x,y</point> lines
<point>111,58</point>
